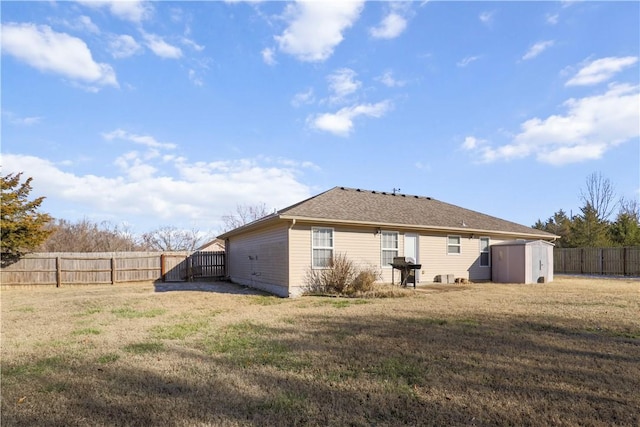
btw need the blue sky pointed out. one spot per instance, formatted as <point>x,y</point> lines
<point>173,113</point>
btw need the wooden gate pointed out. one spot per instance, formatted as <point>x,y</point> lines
<point>182,267</point>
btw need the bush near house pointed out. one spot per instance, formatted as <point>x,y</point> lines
<point>341,277</point>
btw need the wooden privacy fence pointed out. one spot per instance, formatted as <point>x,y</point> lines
<point>607,261</point>
<point>64,268</point>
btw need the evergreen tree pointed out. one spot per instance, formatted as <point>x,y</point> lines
<point>560,225</point>
<point>23,228</point>
<point>588,230</point>
<point>625,231</point>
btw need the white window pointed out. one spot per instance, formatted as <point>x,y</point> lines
<point>484,252</point>
<point>453,245</point>
<point>321,247</point>
<point>389,244</point>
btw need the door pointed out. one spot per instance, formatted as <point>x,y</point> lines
<point>539,263</point>
<point>411,250</point>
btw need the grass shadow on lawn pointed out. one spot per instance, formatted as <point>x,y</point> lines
<point>346,370</point>
<point>221,287</point>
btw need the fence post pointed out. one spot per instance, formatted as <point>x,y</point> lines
<point>58,272</point>
<point>113,271</point>
<point>162,266</point>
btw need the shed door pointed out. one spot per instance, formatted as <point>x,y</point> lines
<point>411,250</point>
<point>539,263</point>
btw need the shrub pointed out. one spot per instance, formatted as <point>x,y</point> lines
<point>341,277</point>
<point>365,280</point>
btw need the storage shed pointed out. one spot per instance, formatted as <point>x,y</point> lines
<point>522,261</point>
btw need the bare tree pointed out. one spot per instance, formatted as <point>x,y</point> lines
<point>173,239</point>
<point>244,214</point>
<point>599,194</point>
<point>87,236</point>
<point>630,208</point>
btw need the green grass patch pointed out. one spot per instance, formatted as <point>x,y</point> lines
<point>178,331</point>
<point>468,322</point>
<point>144,347</point>
<point>405,370</point>
<point>89,311</point>
<point>108,358</point>
<point>37,368</point>
<point>27,309</point>
<point>266,300</point>
<point>56,387</point>
<point>87,331</point>
<point>247,344</point>
<point>130,313</point>
<point>340,302</point>
<point>284,403</point>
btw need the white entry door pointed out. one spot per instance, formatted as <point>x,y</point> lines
<point>411,250</point>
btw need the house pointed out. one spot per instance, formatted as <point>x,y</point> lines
<point>215,245</point>
<point>371,228</point>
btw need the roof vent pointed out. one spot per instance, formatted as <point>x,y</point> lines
<point>416,197</point>
<point>358,190</point>
<point>373,192</point>
<point>384,193</point>
<point>342,188</point>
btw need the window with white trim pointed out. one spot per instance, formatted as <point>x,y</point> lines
<point>321,247</point>
<point>454,245</point>
<point>389,247</point>
<point>484,252</point>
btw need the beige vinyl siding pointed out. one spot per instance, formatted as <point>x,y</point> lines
<point>359,244</point>
<point>363,246</point>
<point>437,261</point>
<point>260,259</point>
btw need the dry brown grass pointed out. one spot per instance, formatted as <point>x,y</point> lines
<point>563,353</point>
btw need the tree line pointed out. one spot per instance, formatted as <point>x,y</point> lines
<point>26,229</point>
<point>595,225</point>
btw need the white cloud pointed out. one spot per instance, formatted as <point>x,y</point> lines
<point>342,83</point>
<point>316,28</point>
<point>391,27</point>
<point>42,48</point>
<point>553,18</point>
<point>123,46</point>
<point>601,70</point>
<point>467,60</point>
<point>160,47</point>
<point>14,119</point>
<point>164,190</point>
<point>80,23</point>
<point>590,127</point>
<point>486,17</point>
<point>268,56</point>
<point>388,80</point>
<point>341,122</point>
<point>193,45</point>
<point>129,10</point>
<point>195,78</point>
<point>472,143</point>
<point>145,140</point>
<point>537,49</point>
<point>303,98</point>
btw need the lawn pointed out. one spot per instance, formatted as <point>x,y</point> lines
<point>561,353</point>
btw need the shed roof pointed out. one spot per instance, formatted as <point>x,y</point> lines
<point>364,207</point>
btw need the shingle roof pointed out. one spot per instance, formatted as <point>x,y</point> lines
<point>362,206</point>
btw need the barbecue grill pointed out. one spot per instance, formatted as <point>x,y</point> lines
<point>407,267</point>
